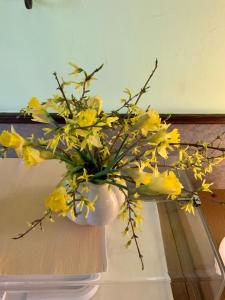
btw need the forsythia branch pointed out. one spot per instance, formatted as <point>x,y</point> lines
<point>34,224</point>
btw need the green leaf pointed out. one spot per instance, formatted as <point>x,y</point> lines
<point>128,92</point>
<point>76,69</point>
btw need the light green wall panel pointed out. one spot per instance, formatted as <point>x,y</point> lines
<point>187,37</point>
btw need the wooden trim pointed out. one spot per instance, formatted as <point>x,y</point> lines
<point>195,118</point>
<point>15,117</point>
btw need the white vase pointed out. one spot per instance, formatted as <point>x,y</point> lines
<point>107,206</point>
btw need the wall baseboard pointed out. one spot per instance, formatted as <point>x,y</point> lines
<point>15,118</point>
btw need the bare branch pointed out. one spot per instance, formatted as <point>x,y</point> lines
<point>88,78</point>
<point>33,225</point>
<point>63,94</point>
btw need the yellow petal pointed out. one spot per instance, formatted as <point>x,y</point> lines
<point>11,139</point>
<point>86,117</point>
<point>34,103</point>
<point>31,156</point>
<point>148,121</point>
<point>95,103</point>
<point>57,200</point>
<point>162,183</point>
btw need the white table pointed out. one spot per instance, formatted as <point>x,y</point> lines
<point>65,249</point>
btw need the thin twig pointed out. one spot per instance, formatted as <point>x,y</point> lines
<point>34,224</point>
<point>143,90</point>
<point>134,236</point>
<point>116,138</point>
<point>63,94</point>
<point>217,138</point>
<point>196,145</point>
<point>88,78</point>
<point>74,205</point>
<point>130,222</point>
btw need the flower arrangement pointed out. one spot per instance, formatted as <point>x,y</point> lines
<point>123,150</point>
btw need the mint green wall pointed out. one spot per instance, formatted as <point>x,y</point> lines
<point>188,37</point>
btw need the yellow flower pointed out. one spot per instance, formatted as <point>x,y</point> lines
<point>34,103</point>
<point>121,181</point>
<point>205,186</point>
<point>31,156</point>
<point>91,205</point>
<point>138,204</point>
<point>162,183</point>
<point>94,140</point>
<point>139,219</point>
<point>85,176</point>
<point>57,200</point>
<point>136,196</point>
<point>90,141</point>
<point>123,215</point>
<point>39,114</point>
<point>11,139</point>
<point>163,139</point>
<point>173,136</point>
<point>110,120</point>
<point>45,154</point>
<point>162,136</point>
<point>53,143</point>
<point>87,117</point>
<point>148,121</point>
<point>95,103</point>
<point>138,175</point>
<point>188,207</point>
